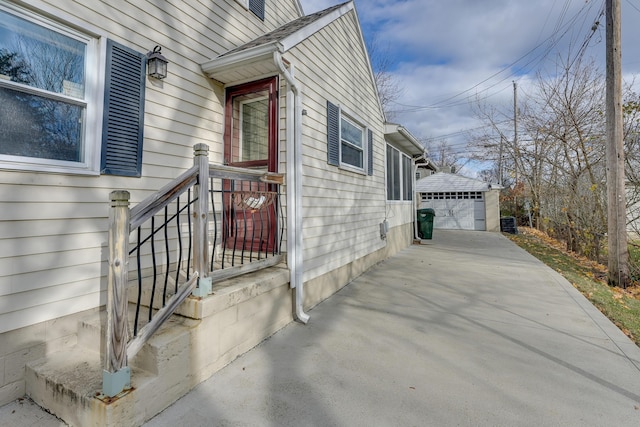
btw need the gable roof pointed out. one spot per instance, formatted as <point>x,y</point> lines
<point>255,58</point>
<point>442,182</point>
<point>287,35</point>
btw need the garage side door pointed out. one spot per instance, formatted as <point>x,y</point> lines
<point>479,215</point>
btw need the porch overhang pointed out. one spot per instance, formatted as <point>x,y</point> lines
<point>244,65</point>
<point>401,138</point>
<point>256,58</point>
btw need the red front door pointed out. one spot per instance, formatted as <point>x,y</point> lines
<point>251,141</point>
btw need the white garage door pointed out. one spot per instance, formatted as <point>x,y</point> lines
<point>464,210</point>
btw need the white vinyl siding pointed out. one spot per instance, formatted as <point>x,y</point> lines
<point>53,227</point>
<point>343,208</point>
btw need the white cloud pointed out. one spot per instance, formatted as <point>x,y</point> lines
<point>445,48</point>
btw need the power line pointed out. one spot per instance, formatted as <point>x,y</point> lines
<point>553,42</point>
<point>633,5</point>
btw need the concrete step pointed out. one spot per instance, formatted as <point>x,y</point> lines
<point>204,336</point>
<point>68,384</point>
<point>91,332</point>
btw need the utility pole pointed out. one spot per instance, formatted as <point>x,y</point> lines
<point>616,209</point>
<point>500,160</point>
<point>515,147</point>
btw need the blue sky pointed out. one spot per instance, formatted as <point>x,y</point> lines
<point>445,53</point>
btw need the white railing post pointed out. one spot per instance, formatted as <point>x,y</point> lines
<point>201,222</point>
<point>116,374</point>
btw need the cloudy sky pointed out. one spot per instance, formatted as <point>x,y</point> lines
<point>447,53</point>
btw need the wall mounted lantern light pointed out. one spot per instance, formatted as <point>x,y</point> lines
<point>156,64</point>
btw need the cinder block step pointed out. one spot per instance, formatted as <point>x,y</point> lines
<point>68,383</point>
<point>187,349</point>
<point>91,332</point>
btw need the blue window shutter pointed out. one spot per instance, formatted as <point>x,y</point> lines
<point>123,122</point>
<point>333,134</point>
<point>257,7</point>
<point>370,152</point>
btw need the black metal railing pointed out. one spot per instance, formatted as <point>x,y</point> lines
<point>162,249</point>
<point>159,249</point>
<point>249,228</point>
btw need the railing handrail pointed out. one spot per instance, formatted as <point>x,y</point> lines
<point>158,200</point>
<point>232,172</point>
<point>176,187</point>
<point>124,220</point>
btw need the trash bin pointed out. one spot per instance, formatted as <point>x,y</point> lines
<point>425,223</point>
<point>508,225</point>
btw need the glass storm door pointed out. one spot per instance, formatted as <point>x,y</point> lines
<point>251,141</point>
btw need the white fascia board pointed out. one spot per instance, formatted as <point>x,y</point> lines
<point>233,60</point>
<point>412,139</point>
<point>402,137</point>
<point>309,30</point>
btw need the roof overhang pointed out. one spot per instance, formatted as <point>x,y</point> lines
<point>401,138</point>
<point>243,65</point>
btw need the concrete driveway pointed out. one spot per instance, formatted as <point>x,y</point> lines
<point>468,330</point>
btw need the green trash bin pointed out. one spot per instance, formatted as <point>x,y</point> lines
<point>425,223</point>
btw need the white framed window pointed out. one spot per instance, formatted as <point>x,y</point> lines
<point>352,144</point>
<point>399,175</point>
<point>253,120</point>
<point>51,92</point>
<point>349,141</point>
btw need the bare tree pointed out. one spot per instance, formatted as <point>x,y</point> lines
<point>444,156</point>
<point>389,88</point>
<point>559,155</point>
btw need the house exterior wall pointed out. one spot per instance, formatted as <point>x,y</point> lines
<point>342,209</point>
<point>399,213</point>
<point>53,227</point>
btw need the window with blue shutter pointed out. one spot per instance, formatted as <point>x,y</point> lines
<point>49,119</point>
<point>349,141</point>
<point>370,152</point>
<point>333,134</point>
<point>122,129</point>
<point>257,7</point>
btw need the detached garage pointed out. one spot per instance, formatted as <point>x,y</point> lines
<point>460,203</point>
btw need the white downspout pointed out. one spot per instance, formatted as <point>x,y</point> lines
<point>294,189</point>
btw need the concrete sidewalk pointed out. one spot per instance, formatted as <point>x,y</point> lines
<point>468,330</point>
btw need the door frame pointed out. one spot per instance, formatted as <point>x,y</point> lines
<point>234,216</point>
<point>269,84</point>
